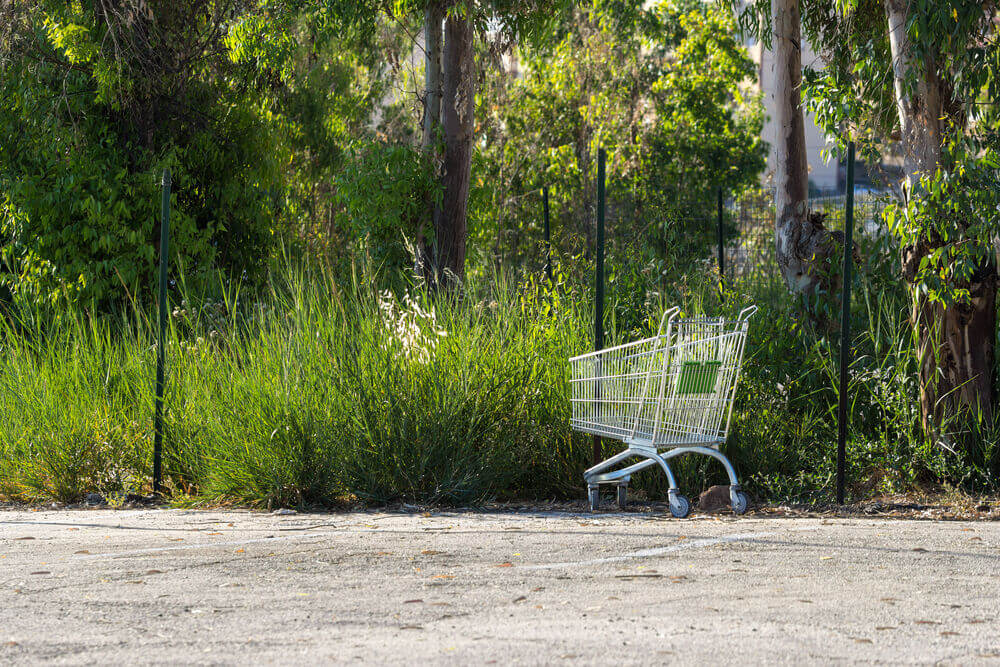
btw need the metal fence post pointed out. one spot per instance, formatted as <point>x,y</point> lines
<point>845,326</point>
<point>722,257</point>
<point>599,277</point>
<point>548,239</point>
<point>161,342</point>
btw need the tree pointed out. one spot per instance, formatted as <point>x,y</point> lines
<point>458,76</point>
<point>921,77</point>
<point>803,245</point>
<point>464,20</point>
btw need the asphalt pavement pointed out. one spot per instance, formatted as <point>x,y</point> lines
<point>466,587</point>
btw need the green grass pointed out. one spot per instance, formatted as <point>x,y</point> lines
<point>316,391</point>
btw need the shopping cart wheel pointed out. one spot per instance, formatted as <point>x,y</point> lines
<point>594,496</point>
<point>680,506</point>
<point>622,496</point>
<point>742,502</point>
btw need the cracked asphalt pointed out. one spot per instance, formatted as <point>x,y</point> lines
<point>230,587</point>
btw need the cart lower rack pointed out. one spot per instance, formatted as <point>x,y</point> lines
<point>663,397</point>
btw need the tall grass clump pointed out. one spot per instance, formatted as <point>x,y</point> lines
<point>312,392</point>
<point>324,389</point>
<point>73,408</point>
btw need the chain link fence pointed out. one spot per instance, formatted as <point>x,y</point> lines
<point>748,229</point>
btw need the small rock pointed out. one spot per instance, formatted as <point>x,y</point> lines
<point>714,499</point>
<point>94,499</point>
<point>284,512</point>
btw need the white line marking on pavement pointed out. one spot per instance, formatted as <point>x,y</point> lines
<point>657,551</point>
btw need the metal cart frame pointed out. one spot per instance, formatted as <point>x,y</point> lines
<point>663,397</point>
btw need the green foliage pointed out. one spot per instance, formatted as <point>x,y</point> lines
<point>953,214</point>
<point>660,87</point>
<point>384,192</point>
<point>92,107</point>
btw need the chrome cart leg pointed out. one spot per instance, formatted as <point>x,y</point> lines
<point>594,496</point>
<point>622,495</point>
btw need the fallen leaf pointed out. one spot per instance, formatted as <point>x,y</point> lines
<point>176,539</point>
<point>507,564</point>
<point>412,601</point>
<point>975,539</point>
<point>154,571</point>
<point>862,640</point>
<point>806,601</point>
<point>886,627</point>
<point>81,551</point>
<point>42,572</point>
<point>137,581</point>
<point>949,633</point>
<point>411,627</point>
<point>521,598</point>
<point>240,551</point>
<point>430,552</point>
<point>215,533</point>
<point>24,538</point>
<point>920,550</point>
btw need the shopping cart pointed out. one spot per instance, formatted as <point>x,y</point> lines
<point>663,397</point>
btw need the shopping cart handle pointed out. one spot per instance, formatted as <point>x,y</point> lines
<point>667,316</point>
<point>746,313</point>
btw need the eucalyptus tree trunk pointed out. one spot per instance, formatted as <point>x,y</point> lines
<point>955,343</point>
<point>803,244</point>
<point>433,17</point>
<point>457,123</point>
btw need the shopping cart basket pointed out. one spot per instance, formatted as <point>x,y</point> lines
<point>663,397</point>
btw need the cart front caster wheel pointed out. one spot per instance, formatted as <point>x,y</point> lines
<point>594,498</point>
<point>741,503</point>
<point>680,506</point>
<point>622,496</point>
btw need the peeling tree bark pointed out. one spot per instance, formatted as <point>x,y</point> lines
<point>955,343</point>
<point>803,244</point>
